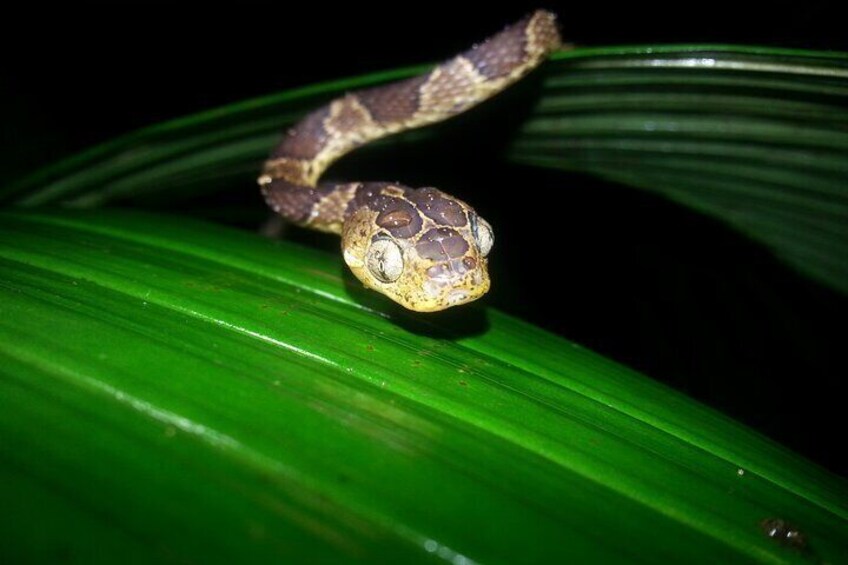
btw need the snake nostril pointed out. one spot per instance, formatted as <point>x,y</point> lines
<point>469,263</point>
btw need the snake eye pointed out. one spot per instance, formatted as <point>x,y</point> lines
<point>385,260</point>
<point>483,234</point>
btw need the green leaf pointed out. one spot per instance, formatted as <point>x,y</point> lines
<point>757,137</point>
<point>177,391</point>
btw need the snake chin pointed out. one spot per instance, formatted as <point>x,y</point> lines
<point>457,297</point>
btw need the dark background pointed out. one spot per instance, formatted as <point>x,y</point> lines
<point>657,287</point>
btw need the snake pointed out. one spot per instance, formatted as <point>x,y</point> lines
<point>421,247</point>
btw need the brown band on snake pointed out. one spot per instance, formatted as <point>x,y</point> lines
<point>421,247</point>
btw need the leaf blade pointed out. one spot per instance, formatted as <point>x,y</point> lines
<point>263,380</point>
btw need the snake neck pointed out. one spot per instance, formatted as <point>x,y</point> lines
<point>323,208</point>
<point>326,134</point>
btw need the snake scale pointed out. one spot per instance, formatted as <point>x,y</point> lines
<point>420,247</point>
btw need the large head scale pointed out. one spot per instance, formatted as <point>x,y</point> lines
<point>420,247</point>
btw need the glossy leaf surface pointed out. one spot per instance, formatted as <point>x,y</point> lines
<point>176,391</point>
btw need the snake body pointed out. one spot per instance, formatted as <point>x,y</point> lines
<point>421,247</point>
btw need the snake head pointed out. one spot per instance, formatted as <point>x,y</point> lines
<point>422,248</point>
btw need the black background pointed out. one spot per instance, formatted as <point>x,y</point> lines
<point>660,288</point>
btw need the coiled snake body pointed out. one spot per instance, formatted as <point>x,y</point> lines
<point>421,247</point>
